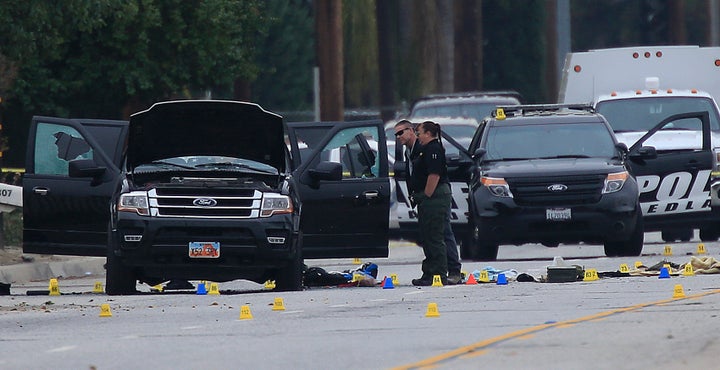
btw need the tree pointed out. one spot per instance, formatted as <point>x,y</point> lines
<point>110,58</point>
<point>286,57</point>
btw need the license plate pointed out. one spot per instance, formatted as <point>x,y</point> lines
<point>558,214</point>
<point>204,250</point>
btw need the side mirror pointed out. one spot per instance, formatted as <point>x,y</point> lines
<point>479,153</point>
<point>330,171</point>
<point>622,147</point>
<point>644,152</point>
<point>85,168</point>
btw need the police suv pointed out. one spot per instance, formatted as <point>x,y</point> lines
<point>636,88</point>
<point>204,190</point>
<point>551,174</point>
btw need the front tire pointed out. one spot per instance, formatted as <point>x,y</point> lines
<point>119,278</point>
<point>475,248</point>
<point>631,247</point>
<point>290,278</point>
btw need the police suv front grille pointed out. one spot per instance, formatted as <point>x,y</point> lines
<point>534,191</point>
<point>204,202</point>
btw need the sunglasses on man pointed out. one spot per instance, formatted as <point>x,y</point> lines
<point>398,133</point>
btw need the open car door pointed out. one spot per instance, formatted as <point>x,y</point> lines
<point>342,181</point>
<point>72,169</point>
<point>672,163</point>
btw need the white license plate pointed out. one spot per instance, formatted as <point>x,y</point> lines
<point>558,214</point>
<point>204,250</point>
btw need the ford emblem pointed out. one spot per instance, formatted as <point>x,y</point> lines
<point>205,202</point>
<point>557,187</point>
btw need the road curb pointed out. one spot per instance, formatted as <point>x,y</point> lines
<point>39,271</point>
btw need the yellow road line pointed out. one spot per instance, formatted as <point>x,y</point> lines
<point>478,348</point>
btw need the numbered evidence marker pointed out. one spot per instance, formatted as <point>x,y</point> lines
<point>437,281</point>
<point>432,310</point>
<point>278,304</point>
<point>701,249</point>
<point>484,276</point>
<point>245,313</point>
<point>688,270</point>
<point>678,291</point>
<point>53,287</point>
<point>667,251</point>
<point>105,310</point>
<point>624,268</point>
<point>590,275</point>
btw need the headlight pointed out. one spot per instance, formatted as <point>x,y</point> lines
<point>273,204</point>
<point>497,186</point>
<point>136,201</point>
<point>614,182</point>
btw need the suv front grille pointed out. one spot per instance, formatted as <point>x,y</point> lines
<point>204,202</point>
<point>533,191</point>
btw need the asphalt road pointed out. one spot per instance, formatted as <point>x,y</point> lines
<point>611,323</point>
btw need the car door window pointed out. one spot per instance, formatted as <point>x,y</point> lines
<point>55,146</point>
<point>308,139</point>
<point>356,150</point>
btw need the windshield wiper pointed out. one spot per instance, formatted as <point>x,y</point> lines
<point>505,159</point>
<point>173,164</point>
<point>566,156</point>
<point>233,165</point>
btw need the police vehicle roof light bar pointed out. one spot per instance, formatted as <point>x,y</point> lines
<point>513,110</point>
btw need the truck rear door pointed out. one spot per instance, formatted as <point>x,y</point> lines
<point>63,214</point>
<point>346,214</point>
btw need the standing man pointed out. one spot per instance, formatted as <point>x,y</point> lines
<point>405,133</point>
<point>430,188</point>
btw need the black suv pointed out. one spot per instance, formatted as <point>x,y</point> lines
<point>551,174</point>
<point>204,190</point>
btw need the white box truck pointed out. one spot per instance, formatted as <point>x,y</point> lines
<point>636,88</point>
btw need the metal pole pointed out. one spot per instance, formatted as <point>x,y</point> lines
<point>316,92</point>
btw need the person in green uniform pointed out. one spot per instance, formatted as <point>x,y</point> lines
<point>405,134</point>
<point>431,192</point>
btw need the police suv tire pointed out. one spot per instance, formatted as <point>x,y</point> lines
<point>290,278</point>
<point>119,279</point>
<point>671,235</point>
<point>708,235</point>
<point>478,247</point>
<point>686,234</point>
<point>487,251</point>
<point>631,247</point>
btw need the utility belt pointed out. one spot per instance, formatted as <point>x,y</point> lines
<point>418,197</point>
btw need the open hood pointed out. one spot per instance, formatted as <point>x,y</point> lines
<point>206,127</point>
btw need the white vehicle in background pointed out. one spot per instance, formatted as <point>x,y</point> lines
<point>456,136</point>
<point>635,89</point>
<point>470,104</point>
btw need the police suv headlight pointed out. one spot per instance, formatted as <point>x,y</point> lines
<point>136,201</point>
<point>273,204</point>
<point>497,186</point>
<point>614,182</point>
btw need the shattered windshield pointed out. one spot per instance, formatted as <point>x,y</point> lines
<point>209,163</point>
<point>563,140</point>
